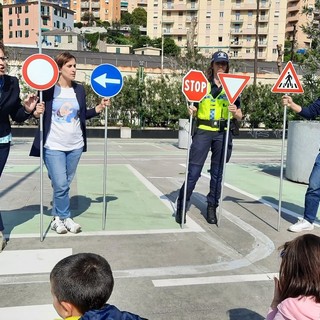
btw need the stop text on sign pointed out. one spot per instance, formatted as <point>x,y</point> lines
<point>193,85</point>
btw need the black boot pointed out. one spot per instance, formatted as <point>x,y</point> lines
<point>211,214</point>
<point>179,212</point>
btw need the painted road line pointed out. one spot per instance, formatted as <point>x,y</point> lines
<point>191,224</point>
<point>31,261</point>
<point>35,312</point>
<point>262,248</point>
<point>106,233</point>
<point>214,280</point>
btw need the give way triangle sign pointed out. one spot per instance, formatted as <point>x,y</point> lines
<point>233,85</point>
<point>288,81</point>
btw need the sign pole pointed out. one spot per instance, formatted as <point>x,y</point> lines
<point>40,72</point>
<point>104,216</point>
<point>106,81</point>
<point>223,169</point>
<point>187,171</point>
<point>288,82</point>
<point>282,164</point>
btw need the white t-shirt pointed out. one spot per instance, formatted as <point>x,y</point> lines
<point>65,132</point>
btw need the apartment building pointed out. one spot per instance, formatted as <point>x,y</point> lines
<point>295,19</point>
<point>132,4</point>
<point>105,10</point>
<point>228,25</point>
<point>22,22</point>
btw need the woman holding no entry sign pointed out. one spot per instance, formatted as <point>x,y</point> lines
<point>64,138</point>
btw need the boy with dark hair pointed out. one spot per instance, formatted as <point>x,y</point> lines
<point>81,284</point>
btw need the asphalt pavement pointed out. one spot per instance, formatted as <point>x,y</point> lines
<point>162,271</point>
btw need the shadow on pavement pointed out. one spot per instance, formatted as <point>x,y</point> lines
<point>244,314</point>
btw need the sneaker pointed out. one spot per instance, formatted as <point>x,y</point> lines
<point>72,226</point>
<point>301,225</point>
<point>58,225</point>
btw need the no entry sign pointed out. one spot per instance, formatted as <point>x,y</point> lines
<point>40,72</point>
<point>194,85</point>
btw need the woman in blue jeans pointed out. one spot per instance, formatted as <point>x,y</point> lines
<point>64,138</point>
<point>11,108</point>
<point>312,197</point>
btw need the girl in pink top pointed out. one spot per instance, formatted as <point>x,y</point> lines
<point>297,291</point>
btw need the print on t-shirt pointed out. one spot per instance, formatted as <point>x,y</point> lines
<point>65,110</point>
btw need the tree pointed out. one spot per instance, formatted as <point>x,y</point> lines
<point>139,17</point>
<point>89,18</point>
<point>126,18</point>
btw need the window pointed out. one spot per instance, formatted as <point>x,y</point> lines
<point>10,10</point>
<point>118,50</point>
<point>26,9</point>
<point>45,22</point>
<point>18,34</point>
<point>274,51</point>
<point>220,26</point>
<point>10,23</point>
<point>26,34</point>
<point>208,26</point>
<point>221,14</point>
<point>247,50</point>
<point>180,13</point>
<point>208,14</point>
<point>26,21</point>
<point>69,39</point>
<point>18,22</point>
<point>18,10</point>
<point>58,24</point>
<point>10,34</point>
<point>219,39</point>
<point>179,38</point>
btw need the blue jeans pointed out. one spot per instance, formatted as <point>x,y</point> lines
<point>202,142</point>
<point>4,153</point>
<point>312,197</point>
<point>61,166</point>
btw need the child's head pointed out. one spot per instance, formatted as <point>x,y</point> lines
<point>300,268</point>
<point>79,283</point>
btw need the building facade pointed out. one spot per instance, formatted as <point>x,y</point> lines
<point>22,27</point>
<point>105,10</point>
<point>228,25</point>
<point>295,19</point>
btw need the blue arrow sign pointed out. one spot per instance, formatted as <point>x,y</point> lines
<point>106,80</point>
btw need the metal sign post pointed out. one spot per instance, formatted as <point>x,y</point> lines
<point>106,81</point>
<point>40,72</point>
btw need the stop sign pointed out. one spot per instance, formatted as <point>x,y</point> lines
<point>194,85</point>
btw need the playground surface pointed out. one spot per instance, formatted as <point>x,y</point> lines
<point>162,271</point>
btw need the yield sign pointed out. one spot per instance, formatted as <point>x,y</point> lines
<point>288,81</point>
<point>233,85</point>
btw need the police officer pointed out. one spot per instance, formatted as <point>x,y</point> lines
<point>210,134</point>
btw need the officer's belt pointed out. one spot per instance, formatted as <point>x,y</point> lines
<point>213,123</point>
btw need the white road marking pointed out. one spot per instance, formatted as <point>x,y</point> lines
<point>262,247</point>
<point>35,312</point>
<point>214,280</point>
<point>191,224</point>
<point>31,261</point>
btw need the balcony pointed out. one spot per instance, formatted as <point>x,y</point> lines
<point>95,5</point>
<point>180,7</point>
<point>174,32</point>
<point>235,44</point>
<point>236,20</point>
<point>250,6</point>
<point>293,8</point>
<point>85,5</point>
<point>293,20</point>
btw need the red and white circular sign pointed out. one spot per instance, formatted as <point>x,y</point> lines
<point>195,85</point>
<point>40,71</point>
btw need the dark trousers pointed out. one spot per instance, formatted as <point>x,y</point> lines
<point>4,153</point>
<point>202,142</point>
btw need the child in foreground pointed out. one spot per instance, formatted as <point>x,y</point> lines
<point>297,292</point>
<point>81,284</point>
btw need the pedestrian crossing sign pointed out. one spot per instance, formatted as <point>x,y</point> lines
<point>288,81</point>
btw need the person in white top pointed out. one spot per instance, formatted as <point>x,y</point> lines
<point>64,138</point>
